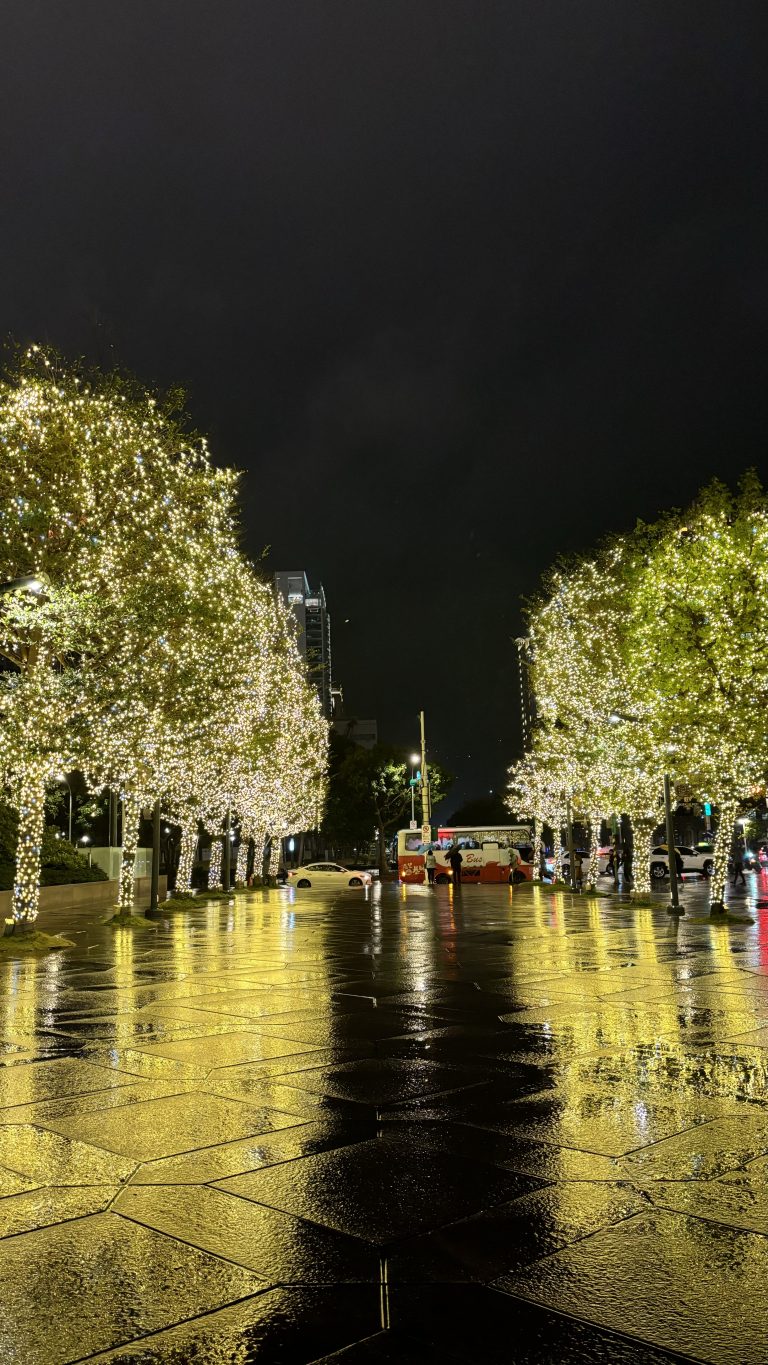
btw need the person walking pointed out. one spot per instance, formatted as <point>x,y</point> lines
<point>737,857</point>
<point>455,859</point>
<point>430,862</point>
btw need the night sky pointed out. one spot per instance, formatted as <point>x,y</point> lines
<point>459,285</point>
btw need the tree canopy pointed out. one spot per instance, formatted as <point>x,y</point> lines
<point>137,642</point>
<point>648,657</point>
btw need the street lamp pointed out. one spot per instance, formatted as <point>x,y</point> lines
<point>60,777</point>
<point>27,583</point>
<point>85,839</point>
<point>415,759</point>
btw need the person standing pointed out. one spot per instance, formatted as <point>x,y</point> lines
<point>579,863</point>
<point>430,862</point>
<point>455,859</point>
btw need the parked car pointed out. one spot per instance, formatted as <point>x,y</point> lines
<point>329,875</point>
<point>602,861</point>
<point>700,859</point>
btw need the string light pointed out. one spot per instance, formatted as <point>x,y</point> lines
<point>140,646</point>
<point>649,659</point>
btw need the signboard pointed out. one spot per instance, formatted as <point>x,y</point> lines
<point>413,824</point>
<point>426,834</point>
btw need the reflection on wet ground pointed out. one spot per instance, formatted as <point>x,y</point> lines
<point>389,1126</point>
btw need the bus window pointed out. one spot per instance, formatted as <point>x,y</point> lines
<point>412,842</point>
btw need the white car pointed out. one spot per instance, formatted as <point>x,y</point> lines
<point>602,860</point>
<point>701,860</point>
<point>327,874</point>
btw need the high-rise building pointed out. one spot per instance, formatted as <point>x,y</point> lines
<point>527,699</point>
<point>309,607</point>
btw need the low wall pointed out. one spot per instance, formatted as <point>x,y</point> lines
<point>86,895</point>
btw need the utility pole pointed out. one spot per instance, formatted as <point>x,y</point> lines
<point>154,887</point>
<point>226,868</point>
<point>675,907</point>
<point>426,805</point>
<point>114,800</point>
<point>571,845</point>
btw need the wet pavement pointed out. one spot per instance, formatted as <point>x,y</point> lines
<point>396,1125</point>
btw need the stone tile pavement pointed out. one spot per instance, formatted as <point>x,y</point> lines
<point>505,1125</point>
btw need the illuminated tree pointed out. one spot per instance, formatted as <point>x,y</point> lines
<point>178,522</point>
<point>535,791</point>
<point>138,644</point>
<point>698,616</point>
<point>78,530</point>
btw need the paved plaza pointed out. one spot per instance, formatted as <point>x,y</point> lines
<point>505,1125</point>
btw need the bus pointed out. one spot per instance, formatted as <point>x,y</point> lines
<point>485,850</point>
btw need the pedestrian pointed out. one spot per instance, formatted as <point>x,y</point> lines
<point>737,857</point>
<point>515,863</point>
<point>430,862</point>
<point>579,864</point>
<point>678,864</point>
<point>455,859</point>
<point>611,865</point>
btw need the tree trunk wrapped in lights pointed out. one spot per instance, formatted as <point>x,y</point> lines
<point>728,808</point>
<point>30,799</point>
<point>189,840</point>
<point>216,864</point>
<point>537,848</point>
<point>274,857</point>
<point>131,821</point>
<point>643,828</point>
<point>593,868</point>
<point>241,869</point>
<point>259,840</point>
<point>557,850</point>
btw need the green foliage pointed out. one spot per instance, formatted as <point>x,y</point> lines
<point>368,790</point>
<point>61,863</point>
<point>649,658</point>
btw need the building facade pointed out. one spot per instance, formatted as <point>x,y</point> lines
<point>311,612</point>
<point>364,733</point>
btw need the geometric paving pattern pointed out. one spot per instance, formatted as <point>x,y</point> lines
<point>389,1126</point>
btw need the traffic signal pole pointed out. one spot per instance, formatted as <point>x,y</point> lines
<point>425,802</point>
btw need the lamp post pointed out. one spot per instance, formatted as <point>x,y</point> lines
<point>226,868</point>
<point>85,839</point>
<point>571,845</point>
<point>674,905</point>
<point>426,804</point>
<point>154,883</point>
<point>60,777</point>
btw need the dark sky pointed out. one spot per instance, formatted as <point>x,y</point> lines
<point>460,285</point>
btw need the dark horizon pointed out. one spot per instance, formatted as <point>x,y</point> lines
<point>460,287</point>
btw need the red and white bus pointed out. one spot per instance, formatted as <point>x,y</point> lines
<point>485,851</point>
